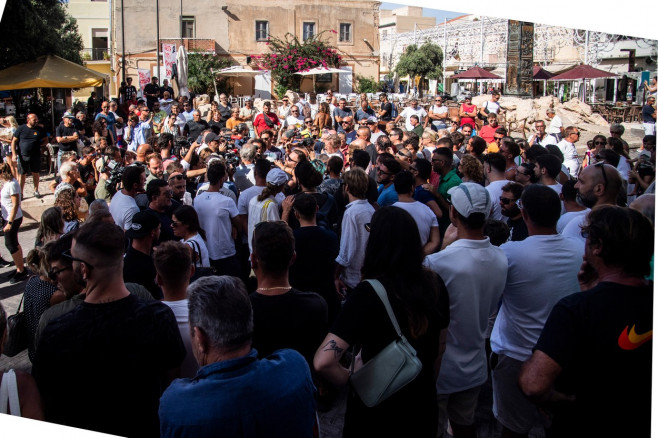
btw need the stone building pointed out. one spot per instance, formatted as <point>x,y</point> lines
<point>238,29</point>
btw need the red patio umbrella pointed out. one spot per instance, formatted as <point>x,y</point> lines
<point>539,73</point>
<point>583,72</point>
<point>476,73</point>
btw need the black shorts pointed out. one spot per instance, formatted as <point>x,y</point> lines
<point>11,236</point>
<point>30,164</point>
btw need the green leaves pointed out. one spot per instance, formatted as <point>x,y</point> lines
<point>199,76</point>
<point>31,28</point>
<point>425,61</point>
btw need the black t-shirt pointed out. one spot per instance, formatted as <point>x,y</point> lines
<point>130,93</point>
<point>29,140</point>
<point>101,366</point>
<point>314,267</point>
<point>195,129</point>
<point>225,111</point>
<point>647,114</point>
<point>151,88</point>
<point>216,126</point>
<point>389,111</point>
<point>601,338</point>
<point>166,231</point>
<point>63,131</point>
<point>296,320</point>
<point>363,321</point>
<point>139,268</point>
<point>331,218</point>
<point>518,229</point>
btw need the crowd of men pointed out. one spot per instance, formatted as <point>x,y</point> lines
<point>547,261</point>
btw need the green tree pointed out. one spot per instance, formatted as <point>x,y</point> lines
<point>200,79</point>
<point>32,28</point>
<point>289,55</point>
<point>424,61</point>
<point>367,85</point>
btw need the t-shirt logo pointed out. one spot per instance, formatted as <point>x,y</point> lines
<point>631,341</point>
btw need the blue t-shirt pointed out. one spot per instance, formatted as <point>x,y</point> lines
<point>242,397</point>
<point>387,196</point>
<point>422,195</point>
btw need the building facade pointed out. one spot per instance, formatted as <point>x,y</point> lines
<point>239,29</point>
<point>93,18</point>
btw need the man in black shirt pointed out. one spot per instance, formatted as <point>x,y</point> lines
<point>138,265</point>
<point>595,350</point>
<point>114,351</point>
<point>196,126</point>
<point>159,195</point>
<point>166,87</point>
<point>26,151</point>
<point>152,92</point>
<point>284,317</point>
<point>67,137</point>
<point>509,209</point>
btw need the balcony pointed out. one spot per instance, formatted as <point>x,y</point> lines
<point>96,54</point>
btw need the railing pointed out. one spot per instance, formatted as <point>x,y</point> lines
<point>96,54</point>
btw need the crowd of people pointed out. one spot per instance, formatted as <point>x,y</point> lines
<point>202,270</point>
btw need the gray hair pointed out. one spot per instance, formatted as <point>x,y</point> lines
<point>67,166</point>
<point>220,306</point>
<point>617,128</point>
<point>98,204</point>
<point>196,111</point>
<point>248,152</point>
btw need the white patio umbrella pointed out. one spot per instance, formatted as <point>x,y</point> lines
<point>321,71</point>
<point>238,71</point>
<point>181,65</point>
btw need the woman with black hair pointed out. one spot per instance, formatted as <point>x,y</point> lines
<point>419,300</point>
<point>185,223</point>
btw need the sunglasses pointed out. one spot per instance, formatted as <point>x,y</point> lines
<point>68,255</point>
<point>385,173</point>
<point>600,142</point>
<point>601,165</point>
<point>506,201</point>
<point>52,274</point>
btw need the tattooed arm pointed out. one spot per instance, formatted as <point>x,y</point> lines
<point>327,360</point>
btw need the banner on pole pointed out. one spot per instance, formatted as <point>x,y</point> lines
<point>169,56</point>
<point>144,78</point>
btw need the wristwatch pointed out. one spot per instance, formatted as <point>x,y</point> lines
<point>10,222</point>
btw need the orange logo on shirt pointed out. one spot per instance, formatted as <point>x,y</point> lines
<point>631,341</point>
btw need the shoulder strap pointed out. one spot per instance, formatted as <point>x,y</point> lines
<point>381,293</point>
<point>20,305</point>
<point>9,394</point>
<point>196,245</point>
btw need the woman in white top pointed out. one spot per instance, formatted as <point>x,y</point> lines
<point>9,126</point>
<point>12,215</point>
<point>185,223</point>
<point>19,395</point>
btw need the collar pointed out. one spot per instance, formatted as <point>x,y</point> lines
<point>449,175</point>
<point>227,366</point>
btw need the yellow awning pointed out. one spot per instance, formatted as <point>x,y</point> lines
<point>49,72</point>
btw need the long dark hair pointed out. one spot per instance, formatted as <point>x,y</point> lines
<point>394,253</point>
<point>187,215</point>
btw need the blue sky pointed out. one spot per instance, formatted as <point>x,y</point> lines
<point>440,15</point>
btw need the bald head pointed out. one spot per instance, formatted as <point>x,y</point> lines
<point>142,151</point>
<point>645,204</point>
<point>601,183</point>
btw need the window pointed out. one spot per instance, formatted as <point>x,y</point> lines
<point>308,30</point>
<point>345,34</point>
<point>262,30</point>
<point>187,27</point>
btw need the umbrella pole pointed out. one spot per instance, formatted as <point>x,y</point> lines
<point>52,108</point>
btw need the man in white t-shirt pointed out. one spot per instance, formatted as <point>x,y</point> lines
<point>474,272</point>
<point>494,173</point>
<point>266,209</point>
<point>490,106</point>
<point>568,148</point>
<point>549,167</point>
<point>428,225</point>
<point>413,109</point>
<point>555,127</point>
<point>123,206</point>
<point>218,215</point>
<point>294,120</point>
<point>528,298</point>
<point>173,267</point>
<point>438,114</point>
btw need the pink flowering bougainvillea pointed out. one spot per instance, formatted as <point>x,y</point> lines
<point>290,55</point>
